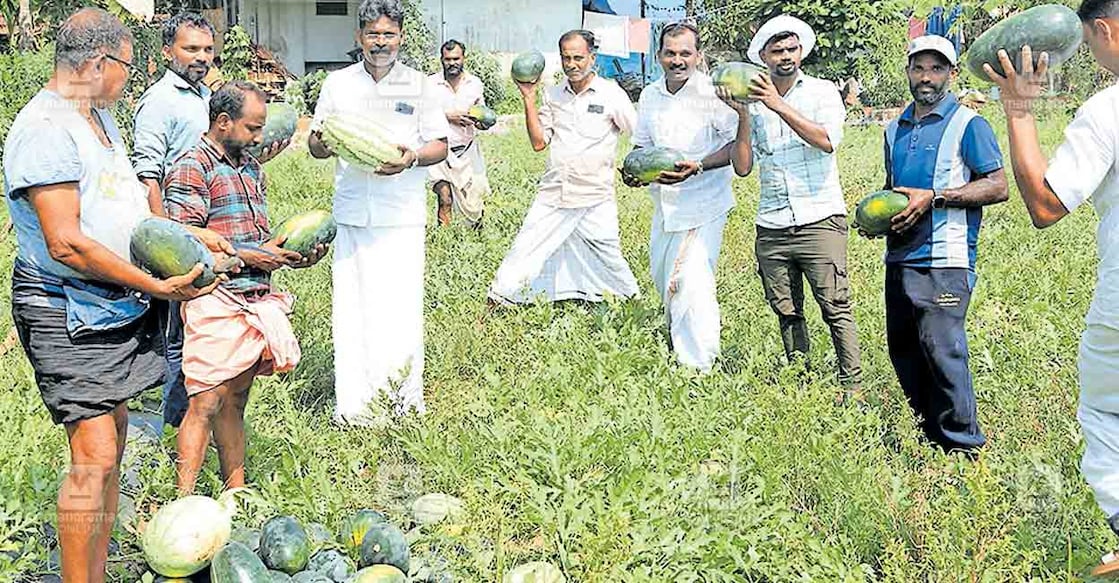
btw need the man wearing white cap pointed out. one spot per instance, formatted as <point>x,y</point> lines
<point>946,159</point>
<point>795,123</point>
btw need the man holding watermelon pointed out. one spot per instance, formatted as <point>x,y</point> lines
<point>381,213</point>
<point>691,201</point>
<point>1084,168</point>
<point>242,330</point>
<point>945,158</point>
<point>569,247</point>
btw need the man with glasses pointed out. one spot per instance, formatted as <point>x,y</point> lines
<point>379,252</point>
<point>690,203</point>
<point>569,247</point>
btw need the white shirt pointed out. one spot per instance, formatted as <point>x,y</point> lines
<point>696,123</point>
<point>1082,169</point>
<point>799,182</point>
<point>471,91</point>
<point>406,103</point>
<point>582,133</point>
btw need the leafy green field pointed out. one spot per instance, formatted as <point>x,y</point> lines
<point>573,437</point>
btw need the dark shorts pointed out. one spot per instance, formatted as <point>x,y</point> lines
<point>86,378</point>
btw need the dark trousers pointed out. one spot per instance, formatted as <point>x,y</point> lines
<point>175,399</point>
<point>818,253</point>
<point>925,311</point>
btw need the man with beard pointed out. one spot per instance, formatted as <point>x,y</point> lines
<point>460,180</point>
<point>1082,169</point>
<point>795,125</point>
<point>691,203</point>
<point>379,252</point>
<point>945,158</point>
<point>78,304</point>
<point>569,246</point>
<point>241,330</point>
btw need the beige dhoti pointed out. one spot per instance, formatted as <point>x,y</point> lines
<point>466,173</point>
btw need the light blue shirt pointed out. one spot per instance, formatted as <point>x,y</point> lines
<point>799,182</point>
<point>170,120</point>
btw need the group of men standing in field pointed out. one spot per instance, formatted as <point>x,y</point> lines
<point>93,326</point>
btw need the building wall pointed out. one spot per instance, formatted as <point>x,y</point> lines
<point>296,35</point>
<point>509,26</point>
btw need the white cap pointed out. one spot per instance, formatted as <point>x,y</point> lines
<point>776,26</point>
<point>935,43</point>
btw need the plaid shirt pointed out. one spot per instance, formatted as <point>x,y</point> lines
<point>205,188</point>
<point>799,183</point>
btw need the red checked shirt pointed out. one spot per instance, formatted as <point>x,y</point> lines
<point>205,188</point>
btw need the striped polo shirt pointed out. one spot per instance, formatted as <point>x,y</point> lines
<point>947,148</point>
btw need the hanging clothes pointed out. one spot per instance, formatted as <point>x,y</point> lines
<point>935,23</point>
<point>916,27</point>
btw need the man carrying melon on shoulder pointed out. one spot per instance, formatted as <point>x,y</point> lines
<point>242,329</point>
<point>684,144</point>
<point>946,160</point>
<point>792,125</point>
<point>1085,167</point>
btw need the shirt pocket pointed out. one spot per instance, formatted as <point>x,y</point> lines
<point>593,121</point>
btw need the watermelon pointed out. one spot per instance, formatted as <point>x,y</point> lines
<point>527,67</point>
<point>1050,28</point>
<point>284,545</point>
<point>184,535</point>
<point>249,537</point>
<point>385,544</point>
<point>235,563</point>
<point>167,249</point>
<point>354,528</point>
<point>331,563</point>
<point>738,77</point>
<point>279,577</point>
<point>485,116</point>
<point>646,164</point>
<point>319,535</point>
<point>873,213</point>
<point>360,140</point>
<point>311,577</point>
<point>536,572</point>
<point>434,508</point>
<point>304,231</point>
<point>279,126</point>
<point>379,574</point>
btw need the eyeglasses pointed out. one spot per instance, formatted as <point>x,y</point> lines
<point>384,36</point>
<point>133,70</point>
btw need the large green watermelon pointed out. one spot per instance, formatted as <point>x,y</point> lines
<point>527,67</point>
<point>385,544</point>
<point>235,563</point>
<point>306,230</point>
<point>738,77</point>
<point>485,116</point>
<point>168,249</point>
<point>874,211</point>
<point>379,574</point>
<point>353,528</point>
<point>284,545</point>
<point>1050,28</point>
<point>646,164</point>
<point>278,126</point>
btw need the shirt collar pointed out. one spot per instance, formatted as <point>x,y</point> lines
<point>696,79</point>
<point>942,109</point>
<point>178,82</point>
<point>248,161</point>
<point>594,85</point>
<point>396,71</point>
<point>467,79</point>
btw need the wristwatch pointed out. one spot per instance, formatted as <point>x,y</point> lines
<point>699,167</point>
<point>939,200</point>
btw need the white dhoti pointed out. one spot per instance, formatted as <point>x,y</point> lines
<point>1099,415</point>
<point>683,269</point>
<point>466,173</point>
<point>378,321</point>
<point>564,254</point>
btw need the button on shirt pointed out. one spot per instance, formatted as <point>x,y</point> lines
<point>207,189</point>
<point>799,182</point>
<point>406,103</point>
<point>1084,169</point>
<point>470,92</point>
<point>170,119</point>
<point>582,133</point>
<point>695,122</point>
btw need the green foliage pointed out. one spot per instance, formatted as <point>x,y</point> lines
<point>419,50</point>
<point>488,69</point>
<point>303,94</point>
<point>22,75</point>
<point>236,54</point>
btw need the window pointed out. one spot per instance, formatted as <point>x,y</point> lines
<point>331,8</point>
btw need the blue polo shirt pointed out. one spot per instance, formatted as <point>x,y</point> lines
<point>948,148</point>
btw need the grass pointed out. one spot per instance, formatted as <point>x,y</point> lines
<point>572,437</point>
